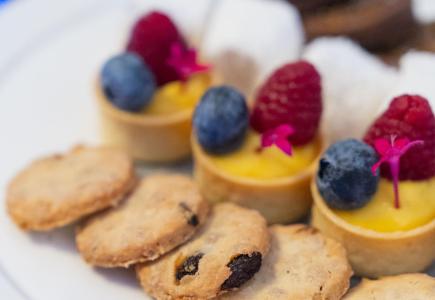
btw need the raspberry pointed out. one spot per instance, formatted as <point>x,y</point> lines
<point>152,37</point>
<point>408,116</point>
<point>292,96</point>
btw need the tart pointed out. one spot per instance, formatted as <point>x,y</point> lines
<point>255,165</point>
<point>386,219</point>
<point>147,94</point>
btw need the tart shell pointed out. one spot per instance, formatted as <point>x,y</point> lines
<point>148,138</point>
<point>282,200</point>
<point>373,254</point>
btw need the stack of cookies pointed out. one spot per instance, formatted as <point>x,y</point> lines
<point>180,248</point>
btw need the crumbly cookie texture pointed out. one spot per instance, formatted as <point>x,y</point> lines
<point>60,189</point>
<point>301,264</point>
<point>161,213</point>
<point>414,286</point>
<point>225,254</point>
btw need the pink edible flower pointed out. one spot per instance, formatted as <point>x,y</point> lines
<point>184,61</point>
<point>390,152</point>
<point>279,137</point>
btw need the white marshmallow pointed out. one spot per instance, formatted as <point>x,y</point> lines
<point>416,76</point>
<point>247,39</point>
<point>424,10</point>
<point>190,16</point>
<point>354,84</point>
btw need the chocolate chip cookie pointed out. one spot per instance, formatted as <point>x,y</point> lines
<point>301,264</point>
<point>225,254</point>
<point>161,213</point>
<point>60,189</point>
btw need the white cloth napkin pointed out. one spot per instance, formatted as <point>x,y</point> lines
<point>354,83</point>
<point>247,39</point>
<point>416,76</point>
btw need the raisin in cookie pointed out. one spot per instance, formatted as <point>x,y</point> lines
<point>160,214</point>
<point>301,264</point>
<point>400,287</point>
<point>225,253</point>
<point>58,190</point>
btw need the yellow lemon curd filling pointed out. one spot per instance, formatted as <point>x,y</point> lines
<point>269,163</point>
<point>417,207</point>
<point>178,95</point>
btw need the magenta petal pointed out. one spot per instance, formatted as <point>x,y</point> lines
<point>382,146</point>
<point>284,130</point>
<point>376,166</point>
<point>279,137</point>
<point>391,152</point>
<point>184,61</point>
<point>285,146</point>
<point>267,140</point>
<point>401,143</point>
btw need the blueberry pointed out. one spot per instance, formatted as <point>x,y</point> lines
<point>344,179</point>
<point>127,82</point>
<point>221,120</point>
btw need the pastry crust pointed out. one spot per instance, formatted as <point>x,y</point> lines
<point>60,189</point>
<point>374,254</point>
<point>280,200</point>
<point>147,138</point>
<point>231,232</point>
<point>301,264</point>
<point>401,287</point>
<point>163,212</point>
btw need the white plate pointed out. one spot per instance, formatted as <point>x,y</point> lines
<point>48,105</point>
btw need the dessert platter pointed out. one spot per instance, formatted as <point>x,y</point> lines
<point>210,159</point>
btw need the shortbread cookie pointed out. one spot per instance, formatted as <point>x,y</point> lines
<point>400,287</point>
<point>301,264</point>
<point>160,214</point>
<point>59,189</point>
<point>225,253</point>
